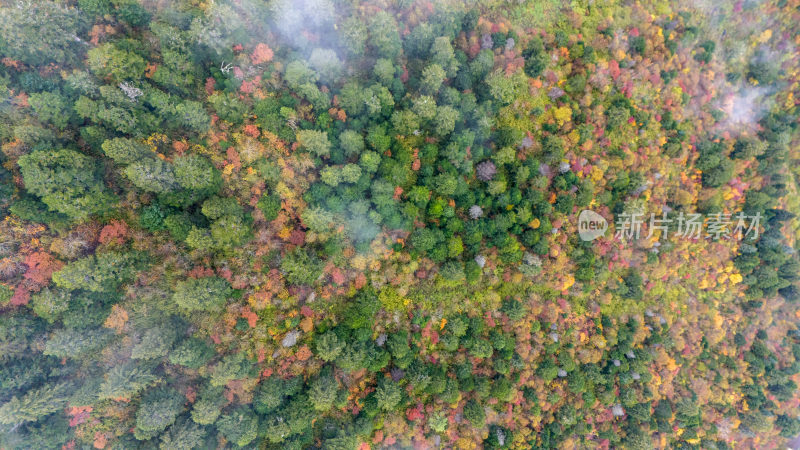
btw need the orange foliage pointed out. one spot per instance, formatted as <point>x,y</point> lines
<point>114,233</point>
<point>261,54</point>
<point>250,316</point>
<point>100,440</point>
<point>303,353</point>
<point>252,130</point>
<point>233,158</point>
<point>117,319</point>
<point>41,266</point>
<point>307,324</point>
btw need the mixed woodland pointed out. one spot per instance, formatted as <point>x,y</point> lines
<point>346,224</point>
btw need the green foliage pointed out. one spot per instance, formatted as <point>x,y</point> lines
<point>183,435</point>
<point>196,173</point>
<point>126,381</point>
<point>393,193</point>
<point>270,205</point>
<point>202,294</point>
<point>49,304</point>
<point>67,181</point>
<point>51,107</point>
<point>301,267</point>
<point>158,410</point>
<point>208,406</point>
<point>103,272</point>
<point>234,366</point>
<point>322,392</point>
<point>328,346</point>
<point>239,427</point>
<point>192,353</point>
<point>118,65</point>
<point>474,413</point>
<point>152,175</point>
<point>35,404</point>
<point>388,395</point>
<point>315,142</point>
<point>40,32</point>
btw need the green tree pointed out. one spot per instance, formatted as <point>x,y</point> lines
<point>300,267</point>
<point>192,353</point>
<point>38,33</point>
<point>108,61</point>
<point>432,78</point>
<point>183,435</point>
<point>35,403</point>
<point>351,142</point>
<point>353,34</point>
<point>72,343</point>
<point>67,182</point>
<point>158,410</point>
<point>323,392</point>
<point>315,142</point>
<point>202,294</point>
<point>239,426</point>
<point>273,391</point>
<point>49,304</point>
<point>196,173</point>
<point>424,106</point>
<point>234,366</point>
<point>326,63</point>
<point>230,231</point>
<point>328,346</point>
<point>208,406</point>
<point>51,107</point>
<point>152,175</point>
<point>443,55</point>
<point>125,151</point>
<point>445,120</point>
<point>384,71</point>
<point>192,115</point>
<point>125,381</point>
<point>155,342</point>
<point>474,413</point>
<point>103,272</point>
<point>385,36</point>
<point>388,395</point>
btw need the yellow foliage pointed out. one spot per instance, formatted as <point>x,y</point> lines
<point>562,115</point>
<point>568,282</point>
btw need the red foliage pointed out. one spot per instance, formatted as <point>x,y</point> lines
<point>297,237</point>
<point>233,158</point>
<point>79,414</point>
<point>252,130</point>
<point>338,276</point>
<point>261,54</point>
<point>361,280</point>
<point>225,273</point>
<point>41,266</point>
<point>200,272</point>
<point>115,232</point>
<point>250,316</point>
<point>210,83</point>
<point>613,68</point>
<point>306,311</point>
<point>415,413</point>
<point>191,394</point>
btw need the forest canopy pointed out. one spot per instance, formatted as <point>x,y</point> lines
<point>358,224</point>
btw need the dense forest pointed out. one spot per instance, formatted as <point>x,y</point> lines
<point>345,224</point>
